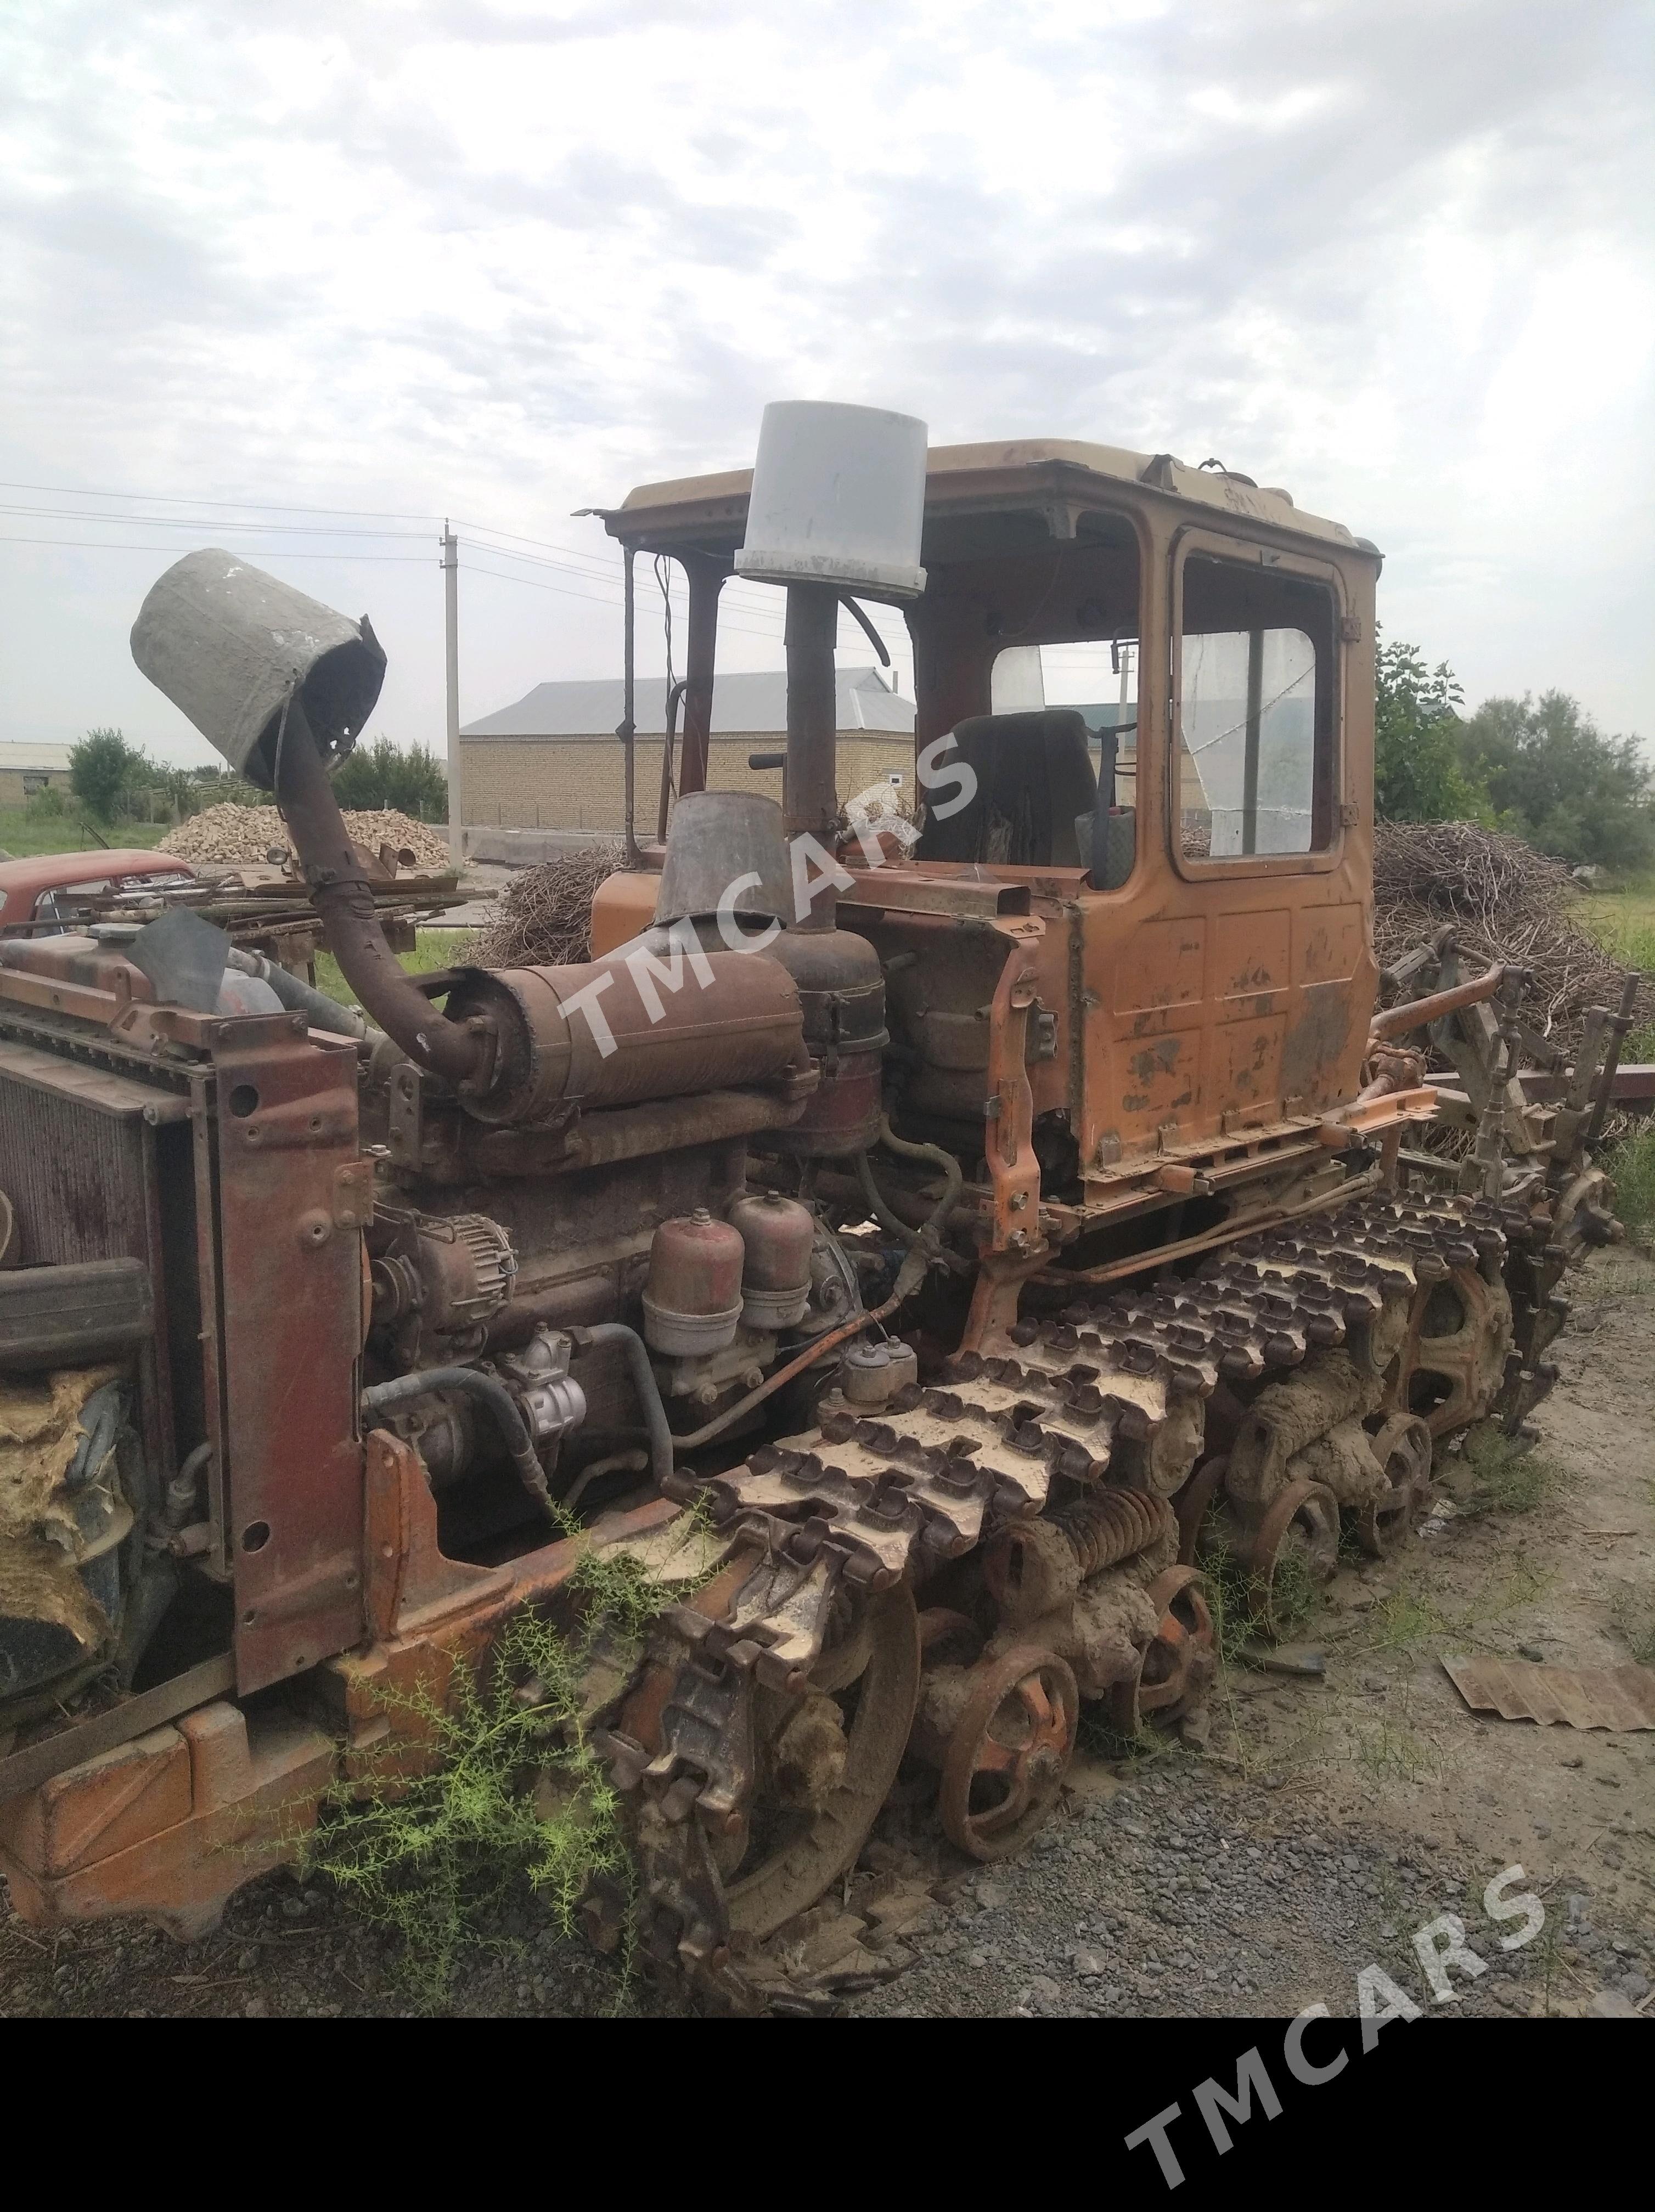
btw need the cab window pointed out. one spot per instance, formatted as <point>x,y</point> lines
<point>1256,758</point>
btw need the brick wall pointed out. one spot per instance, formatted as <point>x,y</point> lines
<point>16,784</point>
<point>579,783</point>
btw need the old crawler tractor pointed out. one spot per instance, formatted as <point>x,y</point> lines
<point>975,1226</point>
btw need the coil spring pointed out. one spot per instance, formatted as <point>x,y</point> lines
<point>1113,1524</point>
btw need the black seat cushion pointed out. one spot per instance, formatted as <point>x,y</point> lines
<point>1034,775</point>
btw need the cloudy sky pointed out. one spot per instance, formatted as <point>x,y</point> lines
<point>343,266</point>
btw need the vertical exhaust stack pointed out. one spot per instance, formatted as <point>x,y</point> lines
<point>837,505</point>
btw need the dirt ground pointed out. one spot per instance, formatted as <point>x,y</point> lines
<point>1322,1822</point>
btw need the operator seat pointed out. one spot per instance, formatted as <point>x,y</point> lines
<point>1034,777</point>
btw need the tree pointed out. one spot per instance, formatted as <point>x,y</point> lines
<point>381,775</point>
<point>1555,778</point>
<point>102,769</point>
<point>1418,772</point>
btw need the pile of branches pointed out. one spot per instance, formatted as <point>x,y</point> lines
<point>1504,902</point>
<point>545,919</point>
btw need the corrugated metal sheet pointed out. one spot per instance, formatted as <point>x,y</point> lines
<point>745,704</point>
<point>1579,1697</point>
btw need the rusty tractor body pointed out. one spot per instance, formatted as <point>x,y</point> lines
<point>981,1242</point>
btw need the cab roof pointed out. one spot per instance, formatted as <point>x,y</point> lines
<point>710,511</point>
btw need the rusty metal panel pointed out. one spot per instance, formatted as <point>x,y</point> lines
<point>1329,944</point>
<point>78,1149</point>
<point>290,1306</point>
<point>1579,1697</point>
<point>1249,958</point>
<point>1164,965</point>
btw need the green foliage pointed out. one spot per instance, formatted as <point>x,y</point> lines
<point>103,768</point>
<point>381,775</point>
<point>1418,775</point>
<point>1554,777</point>
<point>1506,1478</point>
<point>433,948</point>
<point>1241,1604</point>
<point>517,1799</point>
<point>428,1859</point>
<point>46,804</point>
<point>24,830</point>
<point>223,786</point>
<point>1631,1169</point>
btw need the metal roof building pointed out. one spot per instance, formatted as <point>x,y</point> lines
<point>551,761</point>
<point>744,705</point>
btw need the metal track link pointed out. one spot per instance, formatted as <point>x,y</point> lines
<point>1109,1391</point>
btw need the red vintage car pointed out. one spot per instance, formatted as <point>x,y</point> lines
<point>41,893</point>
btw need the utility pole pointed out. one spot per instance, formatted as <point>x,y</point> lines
<point>451,612</point>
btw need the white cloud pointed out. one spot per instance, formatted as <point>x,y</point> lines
<point>501,261</point>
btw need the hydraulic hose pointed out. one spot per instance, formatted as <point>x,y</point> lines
<point>342,896</point>
<point>487,1391</point>
<point>636,1354</point>
<point>931,1233</point>
<point>302,997</point>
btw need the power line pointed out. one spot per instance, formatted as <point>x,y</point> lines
<point>197,522</point>
<point>563,591</point>
<point>278,553</point>
<point>262,505</point>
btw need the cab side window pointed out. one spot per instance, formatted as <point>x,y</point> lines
<point>1256,767</point>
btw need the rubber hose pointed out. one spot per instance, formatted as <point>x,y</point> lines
<point>487,1391</point>
<point>643,1380</point>
<point>299,997</point>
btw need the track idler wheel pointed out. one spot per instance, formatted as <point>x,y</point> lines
<point>1182,1661</point>
<point>1402,1446</point>
<point>825,1794</point>
<point>1297,1539</point>
<point>1009,1752</point>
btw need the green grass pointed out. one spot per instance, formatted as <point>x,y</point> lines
<point>1403,1618</point>
<point>433,948</point>
<point>1631,1167</point>
<point>23,834</point>
<point>1623,922</point>
<point>1503,1478</point>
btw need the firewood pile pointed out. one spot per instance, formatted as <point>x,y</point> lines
<point>235,836</point>
<point>1504,902</point>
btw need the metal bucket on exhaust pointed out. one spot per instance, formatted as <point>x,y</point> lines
<point>231,648</point>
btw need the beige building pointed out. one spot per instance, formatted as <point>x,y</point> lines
<point>25,770</point>
<point>553,762</point>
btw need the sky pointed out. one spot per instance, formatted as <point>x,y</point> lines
<point>278,277</point>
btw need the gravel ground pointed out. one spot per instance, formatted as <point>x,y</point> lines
<point>1181,1894</point>
<point>1162,1893</point>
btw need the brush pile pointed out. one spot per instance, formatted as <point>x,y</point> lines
<point>1505,902</point>
<point>546,913</point>
<point>240,837</point>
